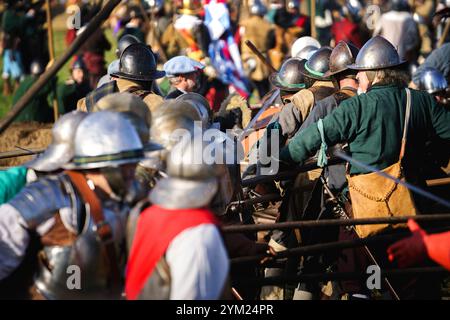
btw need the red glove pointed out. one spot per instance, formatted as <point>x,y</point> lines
<point>438,248</point>
<point>410,251</point>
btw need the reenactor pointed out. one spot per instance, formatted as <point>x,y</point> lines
<point>137,72</point>
<point>134,24</point>
<point>13,69</point>
<point>187,35</point>
<point>184,75</point>
<point>163,262</point>
<point>38,109</point>
<point>260,32</point>
<point>317,87</point>
<point>78,217</point>
<point>374,126</point>
<point>289,26</point>
<point>159,21</point>
<point>74,89</point>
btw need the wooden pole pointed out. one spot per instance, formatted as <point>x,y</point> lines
<point>444,34</point>
<point>95,23</point>
<point>150,26</point>
<point>260,56</point>
<point>51,49</point>
<point>313,19</point>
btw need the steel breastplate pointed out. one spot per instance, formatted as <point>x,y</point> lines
<point>76,271</point>
<point>79,270</point>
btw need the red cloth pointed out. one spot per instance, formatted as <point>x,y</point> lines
<point>301,21</point>
<point>71,34</point>
<point>95,63</point>
<point>413,250</point>
<point>438,248</point>
<point>347,31</point>
<point>156,228</point>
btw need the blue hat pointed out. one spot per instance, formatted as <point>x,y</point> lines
<point>181,65</point>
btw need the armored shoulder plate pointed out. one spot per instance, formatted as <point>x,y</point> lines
<point>38,201</point>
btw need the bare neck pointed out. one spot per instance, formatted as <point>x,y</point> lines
<point>347,82</point>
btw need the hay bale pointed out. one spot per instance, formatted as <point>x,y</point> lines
<point>28,135</point>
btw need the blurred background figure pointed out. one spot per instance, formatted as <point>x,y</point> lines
<point>261,33</point>
<point>74,89</point>
<point>398,26</point>
<point>39,108</point>
<point>133,24</point>
<point>346,23</point>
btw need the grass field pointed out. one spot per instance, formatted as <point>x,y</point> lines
<point>64,73</point>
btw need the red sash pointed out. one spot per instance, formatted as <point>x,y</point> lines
<point>156,228</point>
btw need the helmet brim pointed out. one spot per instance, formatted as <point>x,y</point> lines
<point>330,74</point>
<point>308,74</point>
<point>53,158</point>
<point>102,164</point>
<point>276,82</point>
<point>152,146</point>
<point>158,74</point>
<point>175,193</point>
<point>354,66</point>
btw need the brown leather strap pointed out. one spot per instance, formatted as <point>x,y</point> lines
<point>406,124</point>
<point>103,229</point>
<point>141,93</point>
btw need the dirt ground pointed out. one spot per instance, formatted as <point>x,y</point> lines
<point>27,135</point>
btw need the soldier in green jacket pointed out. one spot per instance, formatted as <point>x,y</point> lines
<point>372,125</point>
<point>372,122</point>
<point>39,108</point>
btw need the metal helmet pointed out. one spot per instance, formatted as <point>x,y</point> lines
<point>155,6</point>
<point>306,52</point>
<point>289,77</point>
<point>432,81</point>
<point>257,8</point>
<point>135,110</point>
<point>201,105</point>
<point>190,7</point>
<point>138,63</point>
<point>61,150</point>
<point>316,66</point>
<point>105,139</point>
<point>169,117</point>
<point>125,42</point>
<point>302,43</point>
<point>377,53</point>
<point>353,9</point>
<point>292,4</point>
<point>36,68</point>
<point>171,121</point>
<point>341,56</point>
<point>192,181</point>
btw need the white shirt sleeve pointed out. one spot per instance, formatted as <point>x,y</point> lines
<point>13,239</point>
<point>198,263</point>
